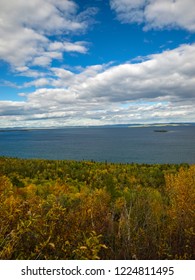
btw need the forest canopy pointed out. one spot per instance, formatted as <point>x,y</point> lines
<point>54,209</point>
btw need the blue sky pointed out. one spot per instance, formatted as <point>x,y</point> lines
<point>66,63</point>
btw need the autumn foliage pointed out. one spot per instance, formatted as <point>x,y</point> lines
<point>88,210</point>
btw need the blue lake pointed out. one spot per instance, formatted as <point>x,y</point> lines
<point>112,144</point>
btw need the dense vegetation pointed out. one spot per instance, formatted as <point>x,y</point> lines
<point>90,210</point>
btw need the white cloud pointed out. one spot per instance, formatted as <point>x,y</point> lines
<point>19,46</point>
<point>162,76</point>
<point>41,82</point>
<point>158,89</point>
<point>25,27</point>
<point>156,14</point>
<point>68,47</point>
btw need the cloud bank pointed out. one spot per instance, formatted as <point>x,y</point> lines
<point>156,14</point>
<point>26,26</point>
<point>157,89</point>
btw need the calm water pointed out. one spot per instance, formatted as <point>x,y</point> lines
<point>113,144</point>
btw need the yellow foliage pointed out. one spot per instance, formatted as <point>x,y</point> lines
<point>85,210</point>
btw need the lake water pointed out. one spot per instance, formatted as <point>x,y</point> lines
<point>112,144</point>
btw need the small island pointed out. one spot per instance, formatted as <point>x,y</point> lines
<point>160,130</point>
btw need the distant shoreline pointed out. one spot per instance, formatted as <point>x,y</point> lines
<point>98,126</point>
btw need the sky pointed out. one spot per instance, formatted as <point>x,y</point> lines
<point>96,62</point>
